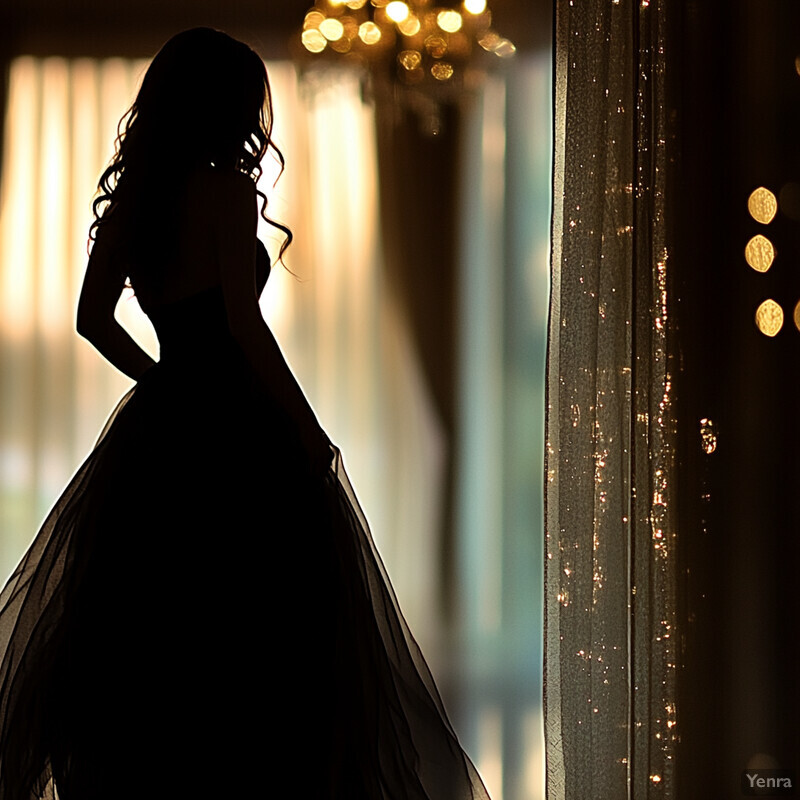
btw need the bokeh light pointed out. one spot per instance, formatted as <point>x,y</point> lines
<point>410,26</point>
<point>436,46</point>
<point>442,71</point>
<point>397,11</point>
<point>475,6</point>
<point>762,205</point>
<point>410,59</point>
<point>331,29</point>
<point>449,20</point>
<point>313,40</point>
<point>369,33</point>
<point>313,20</point>
<point>769,318</point>
<point>759,253</point>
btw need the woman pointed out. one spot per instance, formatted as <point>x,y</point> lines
<point>203,613</point>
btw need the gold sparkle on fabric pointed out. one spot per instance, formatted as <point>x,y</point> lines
<point>708,436</point>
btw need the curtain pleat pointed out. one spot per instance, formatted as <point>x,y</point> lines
<point>610,568</point>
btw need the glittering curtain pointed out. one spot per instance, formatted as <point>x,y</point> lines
<point>610,567</point>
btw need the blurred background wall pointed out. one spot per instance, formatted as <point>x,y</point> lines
<point>415,317</point>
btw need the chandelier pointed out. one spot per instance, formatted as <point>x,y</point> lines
<point>433,51</point>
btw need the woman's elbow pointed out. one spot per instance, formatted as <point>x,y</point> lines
<point>84,324</point>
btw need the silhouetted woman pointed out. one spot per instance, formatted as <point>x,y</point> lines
<point>203,613</point>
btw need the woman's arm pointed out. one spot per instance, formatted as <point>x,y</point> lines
<point>236,222</point>
<point>102,286</point>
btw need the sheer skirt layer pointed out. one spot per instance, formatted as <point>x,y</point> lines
<point>200,616</point>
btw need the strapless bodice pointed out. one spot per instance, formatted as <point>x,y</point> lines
<point>196,326</point>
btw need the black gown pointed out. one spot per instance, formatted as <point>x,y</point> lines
<point>201,616</point>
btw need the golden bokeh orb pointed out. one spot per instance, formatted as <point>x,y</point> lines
<point>397,11</point>
<point>369,33</point>
<point>449,20</point>
<point>475,6</point>
<point>313,40</point>
<point>769,318</point>
<point>436,45</point>
<point>762,205</point>
<point>342,45</point>
<point>409,26</point>
<point>759,253</point>
<point>313,19</point>
<point>410,59</point>
<point>331,29</point>
<point>442,71</point>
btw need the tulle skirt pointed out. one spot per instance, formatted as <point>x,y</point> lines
<point>200,616</point>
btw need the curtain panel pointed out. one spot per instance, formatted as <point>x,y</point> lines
<point>610,565</point>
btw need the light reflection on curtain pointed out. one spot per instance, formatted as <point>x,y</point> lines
<point>345,336</point>
<point>338,327</point>
<point>610,571</point>
<point>54,392</point>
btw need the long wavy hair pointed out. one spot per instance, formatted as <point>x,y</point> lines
<point>205,100</point>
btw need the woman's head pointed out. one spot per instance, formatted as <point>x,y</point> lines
<point>204,100</point>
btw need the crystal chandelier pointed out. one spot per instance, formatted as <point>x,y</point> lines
<point>433,51</point>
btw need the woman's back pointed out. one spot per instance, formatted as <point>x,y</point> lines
<point>182,260</point>
<point>195,266</point>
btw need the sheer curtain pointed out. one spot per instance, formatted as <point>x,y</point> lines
<point>610,567</point>
<point>54,391</point>
<point>503,295</point>
<point>337,324</point>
